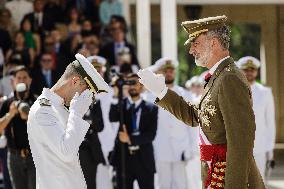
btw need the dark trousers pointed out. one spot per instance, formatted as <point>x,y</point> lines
<point>6,176</point>
<point>135,171</point>
<point>22,170</point>
<point>89,168</point>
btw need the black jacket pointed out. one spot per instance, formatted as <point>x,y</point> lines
<point>39,81</point>
<point>46,25</point>
<point>91,142</point>
<point>147,129</point>
<point>108,52</point>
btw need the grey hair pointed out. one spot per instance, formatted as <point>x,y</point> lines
<point>222,34</point>
<point>71,70</point>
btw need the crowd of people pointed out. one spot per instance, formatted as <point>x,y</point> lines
<point>40,38</point>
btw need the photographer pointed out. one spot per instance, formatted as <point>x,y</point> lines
<point>137,134</point>
<point>14,115</point>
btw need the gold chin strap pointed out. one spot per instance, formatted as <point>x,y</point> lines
<point>90,84</point>
<point>195,34</point>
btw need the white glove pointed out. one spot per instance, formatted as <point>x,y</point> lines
<point>155,83</point>
<point>79,105</point>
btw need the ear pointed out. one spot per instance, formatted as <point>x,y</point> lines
<point>216,43</point>
<point>75,79</point>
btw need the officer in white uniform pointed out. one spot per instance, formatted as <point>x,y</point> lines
<point>55,133</point>
<point>108,134</point>
<point>195,87</point>
<point>175,143</point>
<point>263,106</point>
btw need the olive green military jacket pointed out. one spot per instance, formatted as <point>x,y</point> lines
<point>226,116</point>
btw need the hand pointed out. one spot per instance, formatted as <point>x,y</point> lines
<point>13,109</point>
<point>155,83</point>
<point>23,115</point>
<point>123,136</point>
<point>79,105</point>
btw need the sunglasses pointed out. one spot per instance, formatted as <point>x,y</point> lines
<point>132,82</point>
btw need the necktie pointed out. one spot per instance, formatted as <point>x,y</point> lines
<point>134,117</point>
<point>48,79</point>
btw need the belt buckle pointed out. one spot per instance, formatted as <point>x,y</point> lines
<point>24,153</point>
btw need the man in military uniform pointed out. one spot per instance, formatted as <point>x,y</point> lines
<point>225,113</point>
<point>264,111</point>
<point>55,133</point>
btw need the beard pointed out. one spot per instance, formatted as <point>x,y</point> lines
<point>169,81</point>
<point>133,93</point>
<point>204,60</point>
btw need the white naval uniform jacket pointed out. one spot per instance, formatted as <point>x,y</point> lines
<point>55,137</point>
<point>173,137</point>
<point>263,107</point>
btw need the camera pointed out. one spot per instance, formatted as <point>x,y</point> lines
<point>22,106</point>
<point>120,79</point>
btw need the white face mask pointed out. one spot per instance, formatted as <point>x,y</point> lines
<point>21,87</point>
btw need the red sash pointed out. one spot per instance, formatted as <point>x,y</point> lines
<point>216,154</point>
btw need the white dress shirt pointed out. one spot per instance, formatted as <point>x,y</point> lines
<point>213,69</point>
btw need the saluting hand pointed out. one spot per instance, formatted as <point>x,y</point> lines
<point>123,136</point>
<point>155,83</point>
<point>79,105</point>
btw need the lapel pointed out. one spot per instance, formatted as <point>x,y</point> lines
<point>143,110</point>
<point>44,82</point>
<point>216,74</point>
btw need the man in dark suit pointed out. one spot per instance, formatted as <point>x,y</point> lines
<point>40,21</point>
<point>44,77</point>
<point>110,51</point>
<point>88,8</point>
<point>137,134</point>
<point>90,151</point>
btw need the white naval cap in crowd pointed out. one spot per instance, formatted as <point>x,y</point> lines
<point>164,63</point>
<point>94,80</point>
<point>248,62</point>
<point>97,60</point>
<point>195,80</point>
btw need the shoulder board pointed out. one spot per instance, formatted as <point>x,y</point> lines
<point>44,102</point>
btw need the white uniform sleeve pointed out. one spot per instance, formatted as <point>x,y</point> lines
<point>64,142</point>
<point>270,121</point>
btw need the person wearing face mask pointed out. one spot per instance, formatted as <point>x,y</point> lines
<point>55,132</point>
<point>225,114</point>
<point>14,114</point>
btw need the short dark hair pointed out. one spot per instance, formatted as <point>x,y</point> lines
<point>121,20</point>
<point>20,68</point>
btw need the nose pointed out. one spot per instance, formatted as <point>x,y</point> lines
<point>191,50</point>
